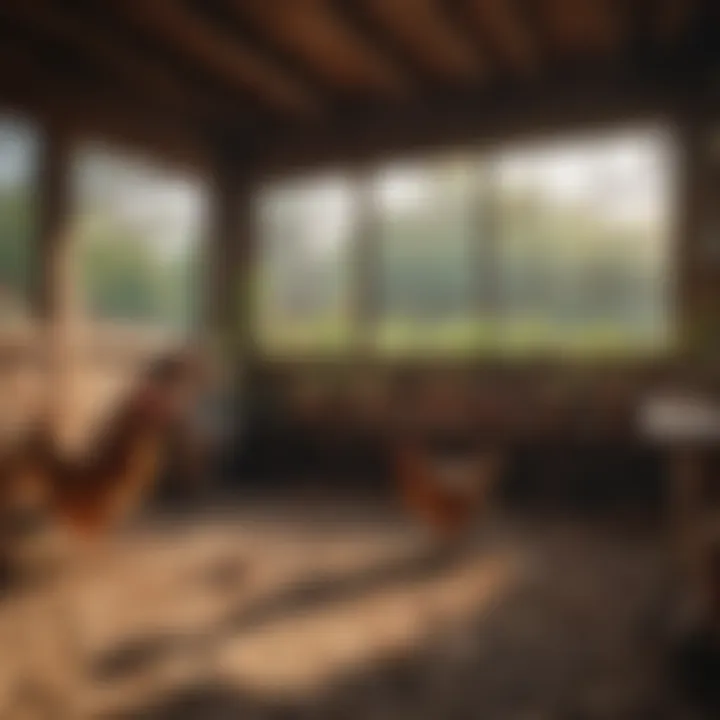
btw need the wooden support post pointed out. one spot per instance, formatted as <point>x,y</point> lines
<point>366,292</point>
<point>227,292</point>
<point>689,229</point>
<point>227,285</point>
<point>218,253</point>
<point>485,246</point>
<point>243,286</point>
<point>53,278</point>
<point>685,502</point>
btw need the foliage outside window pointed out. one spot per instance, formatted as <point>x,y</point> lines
<point>559,249</point>
<point>304,267</point>
<point>138,232</point>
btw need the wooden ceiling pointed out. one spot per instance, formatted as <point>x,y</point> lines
<point>247,73</point>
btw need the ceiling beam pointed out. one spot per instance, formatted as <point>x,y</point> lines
<point>319,34</point>
<point>354,14</point>
<point>479,118</point>
<point>145,77</point>
<point>235,19</point>
<point>669,20</point>
<point>677,37</point>
<point>583,27</point>
<point>229,59</point>
<point>88,112</point>
<point>505,26</point>
<point>428,32</point>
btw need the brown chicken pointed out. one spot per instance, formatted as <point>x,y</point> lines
<point>445,476</point>
<point>445,484</point>
<point>38,485</point>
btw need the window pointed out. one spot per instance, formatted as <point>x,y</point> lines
<point>426,233</point>
<point>138,229</point>
<point>304,266</point>
<point>19,145</point>
<point>556,249</point>
<point>582,234</point>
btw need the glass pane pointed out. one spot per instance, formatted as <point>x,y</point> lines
<point>139,229</point>
<point>304,261</point>
<point>583,238</point>
<point>427,225</point>
<point>561,248</point>
<point>19,152</point>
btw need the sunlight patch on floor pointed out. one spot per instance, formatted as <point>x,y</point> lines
<point>300,653</point>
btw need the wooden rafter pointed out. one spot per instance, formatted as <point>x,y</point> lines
<point>145,77</point>
<point>675,35</point>
<point>470,117</point>
<point>315,32</point>
<point>607,17</point>
<point>176,24</point>
<point>354,14</point>
<point>87,110</point>
<point>247,72</point>
<point>670,19</point>
<point>505,24</point>
<point>236,23</point>
<point>584,27</point>
<point>427,32</point>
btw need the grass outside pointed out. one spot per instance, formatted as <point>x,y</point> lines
<point>512,339</point>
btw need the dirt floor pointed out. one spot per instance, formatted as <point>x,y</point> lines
<point>332,610</point>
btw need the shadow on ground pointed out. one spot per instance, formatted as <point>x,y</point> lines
<point>569,642</point>
<point>313,593</point>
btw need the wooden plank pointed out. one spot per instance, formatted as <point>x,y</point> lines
<point>188,34</point>
<point>427,31</point>
<point>142,74</point>
<point>355,15</point>
<point>669,20</point>
<point>235,21</point>
<point>689,217</point>
<point>366,292</point>
<point>228,288</point>
<point>665,31</point>
<point>53,231</point>
<point>583,27</point>
<point>316,33</point>
<point>221,250</point>
<point>511,33</point>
